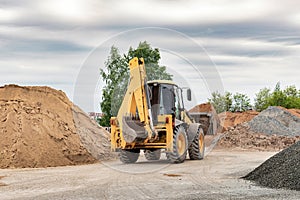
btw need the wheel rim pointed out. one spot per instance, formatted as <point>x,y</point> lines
<point>201,143</point>
<point>181,144</point>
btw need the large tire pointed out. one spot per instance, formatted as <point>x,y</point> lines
<point>197,148</point>
<point>129,156</point>
<point>153,154</point>
<point>180,145</point>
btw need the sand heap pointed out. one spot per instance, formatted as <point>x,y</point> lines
<point>40,127</point>
<point>229,119</point>
<point>276,120</point>
<point>280,171</point>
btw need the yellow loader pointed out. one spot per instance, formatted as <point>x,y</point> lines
<point>151,118</point>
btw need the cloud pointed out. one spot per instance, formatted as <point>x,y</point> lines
<point>251,44</point>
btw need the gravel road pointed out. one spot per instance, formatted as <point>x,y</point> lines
<point>216,177</point>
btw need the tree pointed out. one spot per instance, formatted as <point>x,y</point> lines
<point>277,98</point>
<point>292,97</point>
<point>228,101</point>
<point>220,102</point>
<point>236,103</point>
<point>261,102</point>
<point>288,98</point>
<point>241,103</point>
<point>291,91</point>
<point>115,69</point>
<point>151,57</point>
<point>116,76</point>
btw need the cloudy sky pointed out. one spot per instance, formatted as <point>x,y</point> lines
<point>239,46</point>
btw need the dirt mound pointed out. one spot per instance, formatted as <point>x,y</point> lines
<point>241,137</point>
<point>205,107</point>
<point>276,120</point>
<point>38,129</point>
<point>229,119</point>
<point>280,171</point>
<point>295,112</point>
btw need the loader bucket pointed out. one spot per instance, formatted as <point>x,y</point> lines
<point>133,130</point>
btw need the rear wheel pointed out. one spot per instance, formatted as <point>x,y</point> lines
<point>153,154</point>
<point>129,156</point>
<point>196,149</point>
<point>179,146</point>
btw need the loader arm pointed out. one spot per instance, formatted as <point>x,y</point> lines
<point>134,116</point>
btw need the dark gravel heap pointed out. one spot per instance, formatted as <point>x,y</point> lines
<point>280,171</point>
<point>275,120</point>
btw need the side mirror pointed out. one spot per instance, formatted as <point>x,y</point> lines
<point>189,94</point>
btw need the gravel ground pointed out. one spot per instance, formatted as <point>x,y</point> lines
<point>215,177</point>
<point>280,171</point>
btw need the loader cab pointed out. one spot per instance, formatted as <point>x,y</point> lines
<point>165,99</point>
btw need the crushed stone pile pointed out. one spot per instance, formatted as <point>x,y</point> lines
<point>241,137</point>
<point>280,171</point>
<point>276,120</point>
<point>230,119</point>
<point>41,127</point>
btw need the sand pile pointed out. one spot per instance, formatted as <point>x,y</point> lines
<point>276,120</point>
<point>241,137</point>
<point>280,171</point>
<point>229,119</point>
<point>40,127</point>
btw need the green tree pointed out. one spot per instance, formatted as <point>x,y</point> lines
<point>261,101</point>
<point>220,102</point>
<point>288,98</point>
<point>278,98</point>
<point>241,102</point>
<point>115,69</point>
<point>291,91</point>
<point>292,97</point>
<point>116,76</point>
<point>151,57</point>
<point>228,101</point>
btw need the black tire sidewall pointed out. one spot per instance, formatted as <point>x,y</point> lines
<point>129,156</point>
<point>174,156</point>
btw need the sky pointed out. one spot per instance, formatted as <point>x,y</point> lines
<point>224,45</point>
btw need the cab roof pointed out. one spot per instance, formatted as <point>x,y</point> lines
<point>162,82</point>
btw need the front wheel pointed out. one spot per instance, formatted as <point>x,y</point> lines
<point>196,149</point>
<point>129,156</point>
<point>180,144</point>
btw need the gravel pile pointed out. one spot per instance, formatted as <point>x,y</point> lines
<point>241,137</point>
<point>280,171</point>
<point>276,120</point>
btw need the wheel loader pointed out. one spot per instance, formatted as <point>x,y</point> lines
<point>152,118</point>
